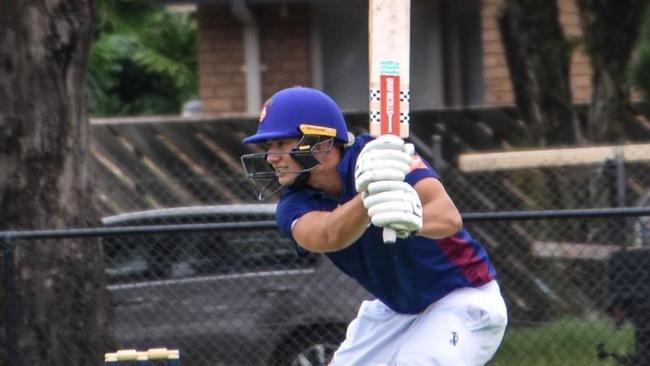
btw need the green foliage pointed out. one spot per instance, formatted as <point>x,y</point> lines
<point>640,66</point>
<point>568,341</point>
<point>143,60</point>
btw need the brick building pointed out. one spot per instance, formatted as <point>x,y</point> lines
<point>247,49</point>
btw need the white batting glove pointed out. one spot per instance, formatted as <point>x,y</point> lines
<point>395,205</point>
<point>385,158</point>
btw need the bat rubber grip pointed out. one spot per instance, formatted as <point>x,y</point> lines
<point>389,235</point>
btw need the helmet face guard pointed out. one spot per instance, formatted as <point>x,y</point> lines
<point>265,179</point>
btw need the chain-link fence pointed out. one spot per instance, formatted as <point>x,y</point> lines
<point>240,295</point>
<point>576,282</point>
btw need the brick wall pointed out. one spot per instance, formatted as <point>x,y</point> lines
<point>498,89</point>
<point>284,53</point>
<point>284,33</point>
<point>497,86</point>
<point>580,68</point>
<point>220,61</point>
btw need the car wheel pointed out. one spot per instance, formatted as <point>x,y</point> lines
<point>315,355</point>
<point>314,348</point>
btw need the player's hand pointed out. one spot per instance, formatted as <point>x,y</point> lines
<point>385,158</point>
<point>395,205</point>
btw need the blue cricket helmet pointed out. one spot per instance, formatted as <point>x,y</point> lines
<point>298,111</point>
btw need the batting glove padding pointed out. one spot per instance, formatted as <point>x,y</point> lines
<point>394,204</point>
<point>385,158</point>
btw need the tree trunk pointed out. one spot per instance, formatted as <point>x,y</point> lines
<point>538,57</point>
<point>45,181</point>
<point>611,29</point>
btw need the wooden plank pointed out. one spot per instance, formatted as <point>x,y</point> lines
<point>171,119</point>
<point>135,164</point>
<point>115,191</point>
<point>183,136</point>
<point>542,158</point>
<point>167,168</point>
<point>565,250</point>
<point>203,181</point>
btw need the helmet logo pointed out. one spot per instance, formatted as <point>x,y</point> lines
<point>263,111</point>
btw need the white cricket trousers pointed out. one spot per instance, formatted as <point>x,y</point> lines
<point>464,328</point>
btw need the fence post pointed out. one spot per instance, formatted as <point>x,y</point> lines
<point>621,192</point>
<point>438,161</point>
<point>615,175</point>
<point>10,301</point>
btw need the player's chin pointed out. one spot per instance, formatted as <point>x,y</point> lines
<point>286,179</point>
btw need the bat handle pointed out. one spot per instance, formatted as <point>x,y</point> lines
<point>389,235</point>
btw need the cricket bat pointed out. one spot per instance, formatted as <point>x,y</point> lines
<point>389,35</point>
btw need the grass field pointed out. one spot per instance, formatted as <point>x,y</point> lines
<point>565,342</point>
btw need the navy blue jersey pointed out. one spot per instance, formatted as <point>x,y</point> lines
<point>408,275</point>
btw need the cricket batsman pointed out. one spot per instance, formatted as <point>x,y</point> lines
<point>437,301</point>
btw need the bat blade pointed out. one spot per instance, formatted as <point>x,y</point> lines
<point>389,55</point>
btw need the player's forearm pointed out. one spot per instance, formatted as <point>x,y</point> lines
<point>347,223</point>
<point>331,231</point>
<point>440,217</point>
<point>440,220</point>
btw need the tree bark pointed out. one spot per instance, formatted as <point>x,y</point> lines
<point>46,180</point>
<point>538,57</point>
<point>611,29</point>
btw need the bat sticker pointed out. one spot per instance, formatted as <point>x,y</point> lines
<point>390,106</point>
